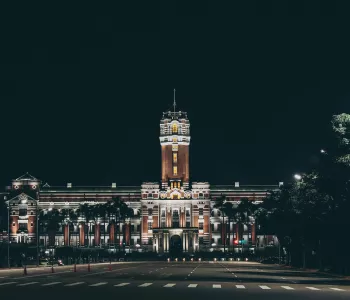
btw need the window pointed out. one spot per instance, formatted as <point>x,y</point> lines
<point>212,227</point>
<point>174,128</point>
<point>188,224</point>
<point>22,226</point>
<point>132,242</point>
<point>174,140</point>
<point>162,224</point>
<point>201,211</point>
<point>218,213</point>
<point>149,225</point>
<point>32,224</point>
<point>174,157</point>
<point>150,211</point>
<point>22,212</point>
<point>200,225</point>
<point>132,227</point>
<point>163,213</point>
<point>187,212</point>
<point>175,170</point>
<point>138,228</point>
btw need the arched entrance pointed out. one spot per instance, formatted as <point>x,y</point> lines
<point>175,245</point>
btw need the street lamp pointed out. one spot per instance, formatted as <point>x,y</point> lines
<point>8,236</point>
<point>297,176</point>
<point>323,151</point>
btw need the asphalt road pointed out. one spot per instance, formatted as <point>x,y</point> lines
<point>173,280</point>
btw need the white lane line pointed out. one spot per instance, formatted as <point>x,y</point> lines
<point>6,283</point>
<point>170,285</point>
<point>39,275</point>
<point>264,287</point>
<point>27,283</point>
<point>2,277</point>
<point>145,284</point>
<point>116,270</point>
<point>216,286</point>
<point>240,286</point>
<point>312,288</point>
<point>122,284</point>
<point>192,285</point>
<point>286,287</point>
<point>51,283</point>
<point>336,289</point>
<point>98,284</point>
<point>75,283</point>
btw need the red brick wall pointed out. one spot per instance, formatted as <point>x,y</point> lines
<point>155,222</point>
<point>144,225</point>
<point>82,234</point>
<point>111,233</point>
<point>31,229</point>
<point>14,219</point>
<point>97,234</point>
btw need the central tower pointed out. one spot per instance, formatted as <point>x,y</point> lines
<point>175,141</point>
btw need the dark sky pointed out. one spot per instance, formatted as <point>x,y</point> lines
<point>83,89</point>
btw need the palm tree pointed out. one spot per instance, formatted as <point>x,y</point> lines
<point>51,220</point>
<point>245,210</point>
<point>87,211</point>
<point>220,204</point>
<point>230,211</point>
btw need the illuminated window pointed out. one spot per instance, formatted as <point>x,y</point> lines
<point>175,170</point>
<point>174,129</point>
<point>174,158</point>
<point>174,140</point>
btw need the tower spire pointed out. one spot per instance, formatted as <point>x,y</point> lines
<point>174,101</point>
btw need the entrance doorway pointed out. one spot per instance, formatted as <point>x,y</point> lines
<point>175,245</point>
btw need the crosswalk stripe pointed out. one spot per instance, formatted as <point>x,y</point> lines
<point>336,289</point>
<point>27,283</point>
<point>51,283</point>
<point>98,284</point>
<point>264,287</point>
<point>122,284</point>
<point>192,285</point>
<point>145,284</point>
<point>73,284</point>
<point>240,286</point>
<point>170,285</point>
<point>6,283</point>
<point>287,287</point>
<point>216,286</point>
<point>312,288</point>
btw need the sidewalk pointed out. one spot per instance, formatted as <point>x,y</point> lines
<point>317,271</point>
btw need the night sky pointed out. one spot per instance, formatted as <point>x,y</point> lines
<point>83,89</point>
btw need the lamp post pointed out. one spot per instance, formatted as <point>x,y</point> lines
<point>8,236</point>
<point>37,234</point>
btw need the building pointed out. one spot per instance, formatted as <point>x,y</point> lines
<point>173,215</point>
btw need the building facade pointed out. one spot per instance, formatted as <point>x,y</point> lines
<point>170,215</point>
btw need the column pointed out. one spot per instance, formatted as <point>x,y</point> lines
<point>127,233</point>
<point>97,234</point>
<point>66,234</point>
<point>111,233</point>
<point>253,233</point>
<point>82,234</point>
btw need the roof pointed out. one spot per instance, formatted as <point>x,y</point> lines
<point>27,176</point>
<point>242,188</point>
<point>89,189</point>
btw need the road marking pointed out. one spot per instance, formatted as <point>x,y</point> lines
<point>336,289</point>
<point>6,283</point>
<point>170,285</point>
<point>38,275</point>
<point>192,285</point>
<point>2,277</point>
<point>27,283</point>
<point>145,284</point>
<point>282,277</point>
<point>122,284</point>
<point>216,286</point>
<point>51,283</point>
<point>98,284</point>
<point>96,273</point>
<point>264,287</point>
<point>287,287</point>
<point>240,286</point>
<point>312,288</point>
<point>75,283</point>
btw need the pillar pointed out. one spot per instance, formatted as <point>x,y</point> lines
<point>97,235</point>
<point>111,233</point>
<point>253,233</point>
<point>82,234</point>
<point>66,234</point>
<point>127,233</point>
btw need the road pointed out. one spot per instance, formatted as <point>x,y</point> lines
<point>173,280</point>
